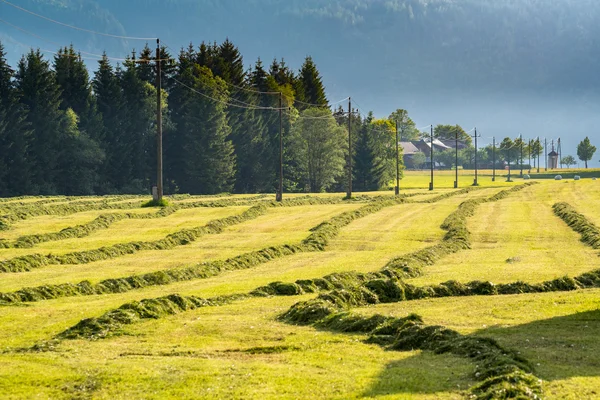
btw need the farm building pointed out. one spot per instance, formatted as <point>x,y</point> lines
<point>421,146</point>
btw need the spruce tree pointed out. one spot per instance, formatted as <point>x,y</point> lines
<point>76,92</point>
<point>41,94</point>
<point>309,86</point>
<point>208,161</point>
<point>109,100</point>
<point>15,136</point>
<point>138,144</point>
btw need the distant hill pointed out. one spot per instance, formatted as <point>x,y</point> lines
<point>386,53</point>
<point>526,44</point>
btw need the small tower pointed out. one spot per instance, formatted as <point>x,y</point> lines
<point>553,158</point>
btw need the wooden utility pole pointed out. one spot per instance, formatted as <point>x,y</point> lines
<point>529,155</point>
<point>159,149</point>
<point>475,183</point>
<point>456,160</point>
<point>349,193</point>
<point>431,154</point>
<point>538,151</point>
<point>545,154</point>
<point>521,140</point>
<point>397,162</point>
<point>279,196</point>
<point>494,159</point>
<point>560,153</point>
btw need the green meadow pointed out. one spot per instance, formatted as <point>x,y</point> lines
<point>478,292</point>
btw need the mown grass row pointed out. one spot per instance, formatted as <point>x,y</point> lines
<point>104,221</point>
<point>183,237</point>
<point>30,211</point>
<point>36,209</point>
<point>319,239</point>
<point>316,241</point>
<point>502,373</point>
<point>590,234</point>
<point>450,194</point>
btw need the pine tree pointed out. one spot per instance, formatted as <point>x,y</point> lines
<point>364,158</point>
<point>15,136</point>
<point>138,143</point>
<point>76,93</point>
<point>208,161</point>
<point>109,100</point>
<point>41,95</point>
<point>309,86</point>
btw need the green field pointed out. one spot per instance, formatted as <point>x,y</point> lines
<point>312,298</point>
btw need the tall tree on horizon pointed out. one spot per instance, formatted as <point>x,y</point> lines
<point>41,94</point>
<point>309,86</point>
<point>15,136</point>
<point>585,150</point>
<point>109,99</point>
<point>208,159</point>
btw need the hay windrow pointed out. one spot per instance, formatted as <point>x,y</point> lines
<point>30,210</point>
<point>316,241</point>
<point>110,323</point>
<point>180,238</point>
<point>590,234</point>
<point>502,372</point>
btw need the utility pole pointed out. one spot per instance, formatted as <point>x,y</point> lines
<point>494,159</point>
<point>159,166</point>
<point>279,196</point>
<point>560,153</point>
<point>521,140</point>
<point>349,193</point>
<point>538,151</point>
<point>431,154</point>
<point>545,154</point>
<point>456,160</point>
<point>529,147</point>
<point>475,181</point>
<point>552,150</point>
<point>397,162</point>
<point>508,179</point>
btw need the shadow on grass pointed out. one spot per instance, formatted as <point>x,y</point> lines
<point>558,348</point>
<point>424,373</point>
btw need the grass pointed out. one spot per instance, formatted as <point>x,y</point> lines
<point>555,331</point>
<point>241,350</point>
<point>516,239</point>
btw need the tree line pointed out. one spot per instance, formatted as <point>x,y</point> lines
<point>63,131</point>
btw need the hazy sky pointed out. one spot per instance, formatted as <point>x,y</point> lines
<point>527,67</point>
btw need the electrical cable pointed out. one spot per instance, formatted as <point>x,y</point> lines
<point>75,27</point>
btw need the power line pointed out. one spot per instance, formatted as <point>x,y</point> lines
<point>98,56</point>
<point>221,101</point>
<point>75,27</point>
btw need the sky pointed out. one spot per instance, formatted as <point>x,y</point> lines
<point>509,68</point>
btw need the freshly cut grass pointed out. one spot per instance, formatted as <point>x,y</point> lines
<point>279,226</point>
<point>518,238</point>
<point>211,352</point>
<point>55,223</point>
<point>130,231</point>
<point>556,332</point>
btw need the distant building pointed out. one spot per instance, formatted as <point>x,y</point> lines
<point>553,160</point>
<point>452,143</point>
<point>422,146</point>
